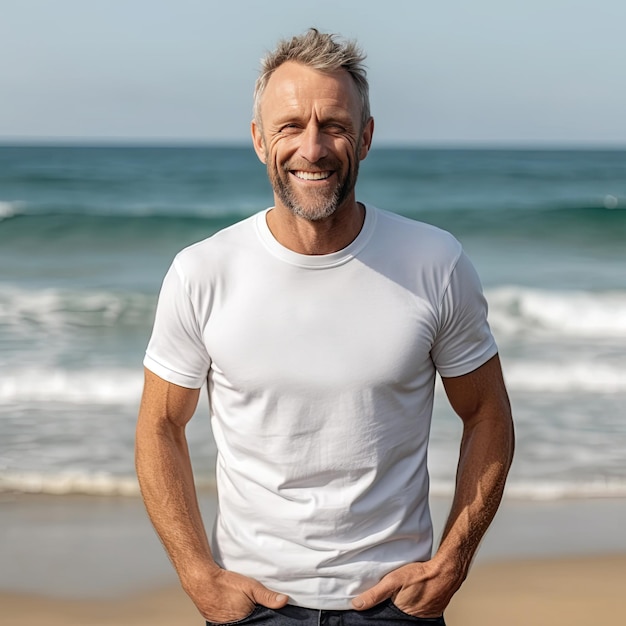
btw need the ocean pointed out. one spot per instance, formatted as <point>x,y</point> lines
<point>87,233</point>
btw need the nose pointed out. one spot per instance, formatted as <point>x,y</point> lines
<point>313,143</point>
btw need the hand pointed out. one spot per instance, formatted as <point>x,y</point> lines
<point>222,596</point>
<point>419,589</point>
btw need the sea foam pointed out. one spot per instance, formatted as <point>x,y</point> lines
<point>512,310</point>
<point>56,308</point>
<point>9,209</point>
<point>120,386</point>
<point>104,484</point>
<point>84,483</point>
<point>515,310</point>
<point>559,377</point>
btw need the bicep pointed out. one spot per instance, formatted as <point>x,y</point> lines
<point>479,394</point>
<point>164,403</point>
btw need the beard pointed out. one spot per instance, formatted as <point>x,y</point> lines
<point>317,204</point>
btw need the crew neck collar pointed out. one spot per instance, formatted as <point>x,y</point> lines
<point>316,261</point>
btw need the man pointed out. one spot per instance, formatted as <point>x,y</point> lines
<point>320,325</point>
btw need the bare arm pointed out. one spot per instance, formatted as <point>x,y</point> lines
<point>167,486</point>
<point>481,401</point>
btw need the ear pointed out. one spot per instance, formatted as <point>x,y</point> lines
<point>257,141</point>
<point>366,138</point>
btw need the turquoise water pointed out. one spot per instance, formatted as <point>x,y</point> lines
<point>86,235</point>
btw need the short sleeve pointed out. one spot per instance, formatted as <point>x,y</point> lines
<point>464,341</point>
<point>176,350</point>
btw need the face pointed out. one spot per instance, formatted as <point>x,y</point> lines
<point>311,140</point>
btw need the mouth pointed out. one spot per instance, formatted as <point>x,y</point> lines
<point>305,175</point>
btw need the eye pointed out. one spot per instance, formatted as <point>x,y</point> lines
<point>335,127</point>
<point>289,128</point>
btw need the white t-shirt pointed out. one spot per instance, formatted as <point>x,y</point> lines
<point>321,378</point>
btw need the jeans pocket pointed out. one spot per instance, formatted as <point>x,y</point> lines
<point>251,617</point>
<point>414,618</point>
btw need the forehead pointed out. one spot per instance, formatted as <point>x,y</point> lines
<point>294,86</point>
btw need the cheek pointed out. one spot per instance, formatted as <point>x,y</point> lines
<point>348,150</point>
<point>278,153</point>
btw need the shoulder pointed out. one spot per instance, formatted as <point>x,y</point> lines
<point>409,236</point>
<point>203,257</point>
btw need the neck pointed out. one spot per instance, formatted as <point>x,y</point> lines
<point>317,237</point>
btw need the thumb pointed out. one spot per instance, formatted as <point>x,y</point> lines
<point>265,597</point>
<point>374,595</point>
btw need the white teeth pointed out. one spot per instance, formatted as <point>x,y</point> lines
<point>312,175</point>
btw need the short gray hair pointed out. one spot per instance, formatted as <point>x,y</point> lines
<point>319,51</point>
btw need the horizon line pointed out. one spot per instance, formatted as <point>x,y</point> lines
<point>122,142</point>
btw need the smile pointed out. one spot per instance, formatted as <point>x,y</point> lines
<point>311,175</point>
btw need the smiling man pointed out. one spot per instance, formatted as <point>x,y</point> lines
<point>310,133</point>
<point>319,326</point>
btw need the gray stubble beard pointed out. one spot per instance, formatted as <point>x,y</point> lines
<point>319,211</point>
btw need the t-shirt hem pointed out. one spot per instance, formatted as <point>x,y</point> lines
<point>324,604</point>
<point>469,366</point>
<point>171,376</point>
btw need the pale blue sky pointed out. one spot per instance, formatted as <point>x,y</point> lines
<point>547,72</point>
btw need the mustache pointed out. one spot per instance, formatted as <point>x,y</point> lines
<point>322,165</point>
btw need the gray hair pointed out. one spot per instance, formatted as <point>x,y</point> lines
<point>319,51</point>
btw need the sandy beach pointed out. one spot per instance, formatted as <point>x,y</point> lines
<point>95,561</point>
<point>550,592</point>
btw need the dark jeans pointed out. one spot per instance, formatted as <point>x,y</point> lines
<point>382,614</point>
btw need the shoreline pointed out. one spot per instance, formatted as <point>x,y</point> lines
<point>92,560</point>
<point>82,547</point>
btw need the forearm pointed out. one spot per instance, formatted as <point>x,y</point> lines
<point>167,486</point>
<point>425,588</point>
<point>484,461</point>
